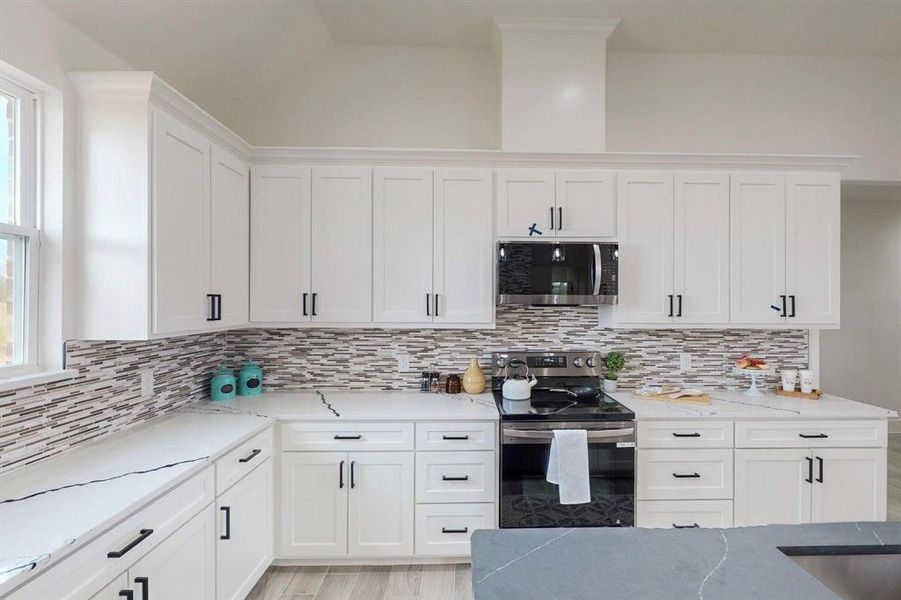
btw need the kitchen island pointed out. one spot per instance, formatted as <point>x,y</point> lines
<point>631,563</point>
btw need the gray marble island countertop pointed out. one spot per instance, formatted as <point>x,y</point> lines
<point>664,564</point>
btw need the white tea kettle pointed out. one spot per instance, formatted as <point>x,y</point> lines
<point>517,387</point>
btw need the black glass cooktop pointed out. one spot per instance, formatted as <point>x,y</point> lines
<point>547,405</point>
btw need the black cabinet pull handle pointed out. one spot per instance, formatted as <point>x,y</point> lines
<point>250,456</point>
<point>212,299</point>
<point>454,478</point>
<point>679,312</point>
<point>353,481</point>
<point>552,218</point>
<point>670,305</point>
<point>228,522</point>
<point>436,305</point>
<point>776,308</point>
<point>127,594</point>
<point>559,218</point>
<point>687,475</point>
<point>809,478</point>
<point>692,526</point>
<point>305,304</point>
<point>144,582</point>
<point>143,535</point>
<point>314,304</point>
<point>446,530</point>
<point>792,298</point>
<point>338,436</point>
<point>454,437</point>
<point>813,436</point>
<point>427,308</point>
<point>218,307</point>
<point>341,475</point>
<point>820,465</point>
<point>691,435</point>
<point>784,308</point>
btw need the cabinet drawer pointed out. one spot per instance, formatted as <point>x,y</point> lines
<point>811,434</point>
<point>677,514</point>
<point>242,460</point>
<point>456,436</point>
<point>89,569</point>
<point>455,477</point>
<point>684,474</point>
<point>685,434</point>
<point>445,529</point>
<point>346,437</point>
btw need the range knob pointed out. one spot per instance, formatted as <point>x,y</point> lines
<point>578,362</point>
<point>591,362</point>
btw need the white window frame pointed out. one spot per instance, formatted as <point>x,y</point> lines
<point>28,207</point>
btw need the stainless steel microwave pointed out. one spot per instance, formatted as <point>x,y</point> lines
<point>557,273</point>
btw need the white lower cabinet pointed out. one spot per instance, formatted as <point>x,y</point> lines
<point>684,514</point>
<point>702,474</point>
<point>445,529</point>
<point>313,515</point>
<point>380,504</point>
<point>850,484</point>
<point>244,541</point>
<point>117,589</point>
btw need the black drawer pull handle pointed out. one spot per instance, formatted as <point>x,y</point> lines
<point>228,523</point>
<point>127,594</point>
<point>809,436</point>
<point>144,582</point>
<point>348,437</point>
<point>455,437</point>
<point>691,435</point>
<point>446,530</point>
<point>687,475</point>
<point>250,456</point>
<point>144,534</point>
<point>692,526</point>
<point>447,478</point>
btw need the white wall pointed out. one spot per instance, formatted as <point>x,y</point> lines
<point>759,103</point>
<point>862,360</point>
<point>382,96</point>
<point>40,44</point>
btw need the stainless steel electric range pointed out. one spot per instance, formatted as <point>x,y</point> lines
<point>566,396</point>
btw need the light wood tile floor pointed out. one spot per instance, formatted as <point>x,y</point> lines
<point>407,582</point>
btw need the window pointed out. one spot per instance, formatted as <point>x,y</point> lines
<point>19,235</point>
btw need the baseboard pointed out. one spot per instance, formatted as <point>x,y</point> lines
<point>369,562</point>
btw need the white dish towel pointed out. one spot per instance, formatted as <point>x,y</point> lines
<point>567,465</point>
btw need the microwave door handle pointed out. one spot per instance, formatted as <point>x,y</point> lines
<point>598,269</point>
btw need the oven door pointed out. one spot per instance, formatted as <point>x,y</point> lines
<point>528,500</point>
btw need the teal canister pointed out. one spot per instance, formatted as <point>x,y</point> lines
<point>223,384</point>
<point>250,380</point>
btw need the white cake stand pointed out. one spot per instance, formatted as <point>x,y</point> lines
<point>754,373</point>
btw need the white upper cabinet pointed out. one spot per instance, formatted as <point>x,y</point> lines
<point>280,244</point>
<point>402,245</point>
<point>701,248</point>
<point>645,226</point>
<point>463,272</point>
<point>181,217</point>
<point>812,248</point>
<point>586,204</point>
<point>757,204</point>
<point>525,197</point>
<point>341,245</point>
<point>229,237</point>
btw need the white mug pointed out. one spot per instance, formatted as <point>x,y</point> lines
<point>806,377</point>
<point>789,379</point>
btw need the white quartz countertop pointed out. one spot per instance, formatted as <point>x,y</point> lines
<point>729,406</point>
<point>49,509</point>
<point>364,406</point>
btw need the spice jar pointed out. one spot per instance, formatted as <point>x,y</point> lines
<point>434,376</point>
<point>453,384</point>
<point>424,383</point>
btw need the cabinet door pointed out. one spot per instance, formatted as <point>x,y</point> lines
<point>183,566</point>
<point>313,515</point>
<point>586,204</point>
<point>244,543</point>
<point>280,244</point>
<point>180,205</point>
<point>380,511</point>
<point>464,246</point>
<point>342,244</point>
<point>229,237</point>
<point>402,245</point>
<point>757,273</point>
<point>117,589</point>
<point>850,484</point>
<point>645,225</point>
<point>701,247</point>
<point>771,486</point>
<point>525,197</point>
<point>812,254</point>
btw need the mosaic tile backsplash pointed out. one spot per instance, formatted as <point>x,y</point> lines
<point>105,396</point>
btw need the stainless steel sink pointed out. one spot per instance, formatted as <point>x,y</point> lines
<point>853,572</point>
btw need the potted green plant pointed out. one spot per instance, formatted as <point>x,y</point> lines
<point>613,363</point>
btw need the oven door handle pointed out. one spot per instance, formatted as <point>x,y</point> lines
<point>598,269</point>
<point>549,434</point>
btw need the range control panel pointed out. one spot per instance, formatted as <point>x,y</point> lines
<point>578,363</point>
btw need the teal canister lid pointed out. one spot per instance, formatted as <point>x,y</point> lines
<point>250,379</point>
<point>223,384</point>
